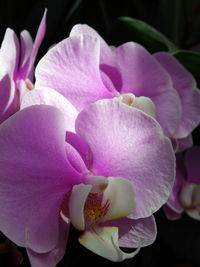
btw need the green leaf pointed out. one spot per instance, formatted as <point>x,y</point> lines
<point>128,29</point>
<point>191,61</point>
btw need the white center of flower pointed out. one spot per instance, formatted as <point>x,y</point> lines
<point>142,103</point>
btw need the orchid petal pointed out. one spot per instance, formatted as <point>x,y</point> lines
<point>49,96</point>
<point>72,68</point>
<point>120,194</point>
<point>25,71</point>
<point>51,258</point>
<point>185,85</point>
<point>104,242</point>
<point>184,143</point>
<point>106,55</point>
<point>75,159</point>
<point>131,230</point>
<point>142,75</point>
<point>7,95</point>
<point>126,142</point>
<point>26,47</point>
<point>173,201</point>
<point>9,53</point>
<point>171,214</point>
<point>81,146</point>
<point>35,175</point>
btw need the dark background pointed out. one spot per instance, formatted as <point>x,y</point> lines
<point>178,242</point>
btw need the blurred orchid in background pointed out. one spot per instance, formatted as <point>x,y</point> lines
<point>17,67</point>
<point>185,196</point>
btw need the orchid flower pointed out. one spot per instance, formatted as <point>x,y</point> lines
<point>17,68</point>
<point>49,177</point>
<point>84,69</point>
<point>185,196</point>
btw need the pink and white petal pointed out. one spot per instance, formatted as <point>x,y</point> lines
<point>27,68</point>
<point>51,258</point>
<point>9,53</point>
<point>7,95</point>
<point>72,68</point>
<point>185,85</point>
<point>77,201</point>
<point>133,233</point>
<point>191,159</point>
<point>50,97</point>
<point>35,175</point>
<point>125,142</point>
<point>142,75</point>
<point>171,214</point>
<point>106,53</point>
<point>104,242</point>
<point>121,198</point>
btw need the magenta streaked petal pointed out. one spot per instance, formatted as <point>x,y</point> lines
<point>51,258</point>
<point>134,232</point>
<point>7,95</point>
<point>9,53</point>
<point>191,160</point>
<point>27,67</point>
<point>72,68</point>
<point>35,175</point>
<point>185,85</point>
<point>126,142</point>
<point>142,75</point>
<point>49,96</point>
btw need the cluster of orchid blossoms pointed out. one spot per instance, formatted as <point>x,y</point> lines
<point>93,143</point>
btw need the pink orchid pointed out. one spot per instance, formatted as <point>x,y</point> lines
<point>185,195</point>
<point>17,67</point>
<point>49,177</point>
<point>83,69</point>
